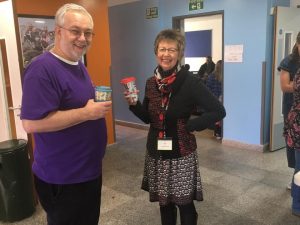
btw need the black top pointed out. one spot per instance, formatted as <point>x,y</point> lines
<point>187,92</point>
<point>290,65</point>
<point>206,68</point>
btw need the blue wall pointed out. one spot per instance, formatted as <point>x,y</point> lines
<point>248,23</point>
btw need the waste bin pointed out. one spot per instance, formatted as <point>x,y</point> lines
<point>16,186</point>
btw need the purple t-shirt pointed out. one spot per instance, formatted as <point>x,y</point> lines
<point>70,155</point>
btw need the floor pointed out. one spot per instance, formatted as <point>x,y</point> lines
<point>241,187</point>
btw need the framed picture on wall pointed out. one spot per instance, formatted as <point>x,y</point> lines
<point>36,35</point>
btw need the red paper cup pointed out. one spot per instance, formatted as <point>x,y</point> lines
<point>129,84</point>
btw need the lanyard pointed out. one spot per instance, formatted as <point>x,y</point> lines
<point>165,100</point>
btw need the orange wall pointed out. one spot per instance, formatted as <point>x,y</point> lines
<point>98,56</point>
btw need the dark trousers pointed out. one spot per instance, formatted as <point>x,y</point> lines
<point>70,204</point>
<point>290,155</point>
<point>295,193</point>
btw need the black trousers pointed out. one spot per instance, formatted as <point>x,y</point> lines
<point>290,155</point>
<point>70,204</point>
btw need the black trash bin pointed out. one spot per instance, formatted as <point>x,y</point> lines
<point>16,186</point>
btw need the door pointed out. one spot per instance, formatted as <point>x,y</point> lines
<point>285,32</point>
<point>7,121</point>
<point>10,79</point>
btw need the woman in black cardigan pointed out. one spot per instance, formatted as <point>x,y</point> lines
<point>171,173</point>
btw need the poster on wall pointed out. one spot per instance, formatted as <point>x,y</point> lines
<point>36,36</point>
<point>234,53</point>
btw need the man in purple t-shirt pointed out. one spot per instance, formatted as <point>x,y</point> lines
<point>68,126</point>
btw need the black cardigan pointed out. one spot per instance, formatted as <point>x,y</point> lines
<point>188,92</point>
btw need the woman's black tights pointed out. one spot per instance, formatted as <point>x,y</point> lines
<point>188,214</point>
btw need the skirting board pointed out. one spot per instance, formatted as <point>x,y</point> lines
<point>133,125</point>
<point>241,145</point>
<point>237,144</point>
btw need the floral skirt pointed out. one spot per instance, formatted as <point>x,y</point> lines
<point>175,181</point>
<point>292,128</point>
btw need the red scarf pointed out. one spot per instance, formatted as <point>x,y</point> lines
<point>164,84</point>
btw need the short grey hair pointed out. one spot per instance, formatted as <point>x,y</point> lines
<point>60,13</point>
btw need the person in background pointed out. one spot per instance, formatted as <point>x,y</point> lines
<point>292,134</point>
<point>68,126</point>
<point>288,68</point>
<point>171,172</point>
<point>214,84</point>
<point>206,69</point>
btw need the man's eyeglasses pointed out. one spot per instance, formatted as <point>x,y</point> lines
<point>77,33</point>
<point>169,50</point>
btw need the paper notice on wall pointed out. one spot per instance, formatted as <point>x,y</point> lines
<point>234,53</point>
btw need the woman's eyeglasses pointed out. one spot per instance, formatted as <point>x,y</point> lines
<point>169,50</point>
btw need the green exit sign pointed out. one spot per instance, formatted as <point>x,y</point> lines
<point>195,5</point>
<point>152,12</point>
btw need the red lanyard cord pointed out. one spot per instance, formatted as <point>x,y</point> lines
<point>165,100</point>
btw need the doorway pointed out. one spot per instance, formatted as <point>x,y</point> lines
<point>208,28</point>
<point>285,32</point>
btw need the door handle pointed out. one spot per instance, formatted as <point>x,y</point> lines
<point>14,108</point>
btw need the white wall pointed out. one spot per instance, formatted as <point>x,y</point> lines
<point>213,23</point>
<point>7,32</point>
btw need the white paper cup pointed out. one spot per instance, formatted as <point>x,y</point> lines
<point>129,84</point>
<point>102,93</point>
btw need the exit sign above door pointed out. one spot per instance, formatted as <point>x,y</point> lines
<point>195,5</point>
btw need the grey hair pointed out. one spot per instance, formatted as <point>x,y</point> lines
<point>60,13</point>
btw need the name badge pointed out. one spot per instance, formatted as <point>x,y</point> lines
<point>164,144</point>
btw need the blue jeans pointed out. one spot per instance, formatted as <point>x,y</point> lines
<point>296,189</point>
